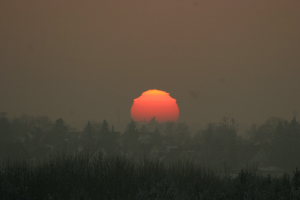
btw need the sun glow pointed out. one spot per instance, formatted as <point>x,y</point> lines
<point>155,103</point>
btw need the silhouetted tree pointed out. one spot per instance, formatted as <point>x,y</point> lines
<point>168,133</point>
<point>131,128</point>
<point>152,124</point>
<point>6,137</point>
<point>60,127</point>
<point>104,130</point>
<point>58,134</point>
<point>285,151</point>
<point>282,140</point>
<point>143,129</point>
<point>265,133</point>
<point>209,144</point>
<point>23,125</point>
<point>88,138</point>
<point>228,135</point>
<point>43,123</point>
<point>108,138</point>
<point>96,126</point>
<point>5,126</point>
<point>219,142</point>
<point>3,115</point>
<point>182,134</point>
<point>131,135</point>
<point>156,138</point>
<point>88,130</point>
<point>5,129</point>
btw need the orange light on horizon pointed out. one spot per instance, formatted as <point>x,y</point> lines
<point>155,103</point>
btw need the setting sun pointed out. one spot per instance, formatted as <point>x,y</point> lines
<point>155,103</point>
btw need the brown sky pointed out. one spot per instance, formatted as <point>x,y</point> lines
<point>80,60</point>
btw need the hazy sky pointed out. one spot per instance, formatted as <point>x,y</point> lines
<point>81,60</point>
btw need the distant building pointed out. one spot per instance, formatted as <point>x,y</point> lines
<point>261,158</point>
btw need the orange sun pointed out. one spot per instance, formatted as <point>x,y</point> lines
<point>155,103</point>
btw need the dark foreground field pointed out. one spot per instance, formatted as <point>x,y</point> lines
<point>117,177</point>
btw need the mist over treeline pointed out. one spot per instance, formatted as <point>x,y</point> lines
<point>272,145</point>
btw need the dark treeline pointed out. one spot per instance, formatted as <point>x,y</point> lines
<point>273,145</point>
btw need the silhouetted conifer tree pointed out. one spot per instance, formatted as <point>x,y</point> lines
<point>5,130</point>
<point>88,130</point>
<point>60,127</point>
<point>131,135</point>
<point>87,137</point>
<point>108,138</point>
<point>58,134</point>
<point>104,128</point>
